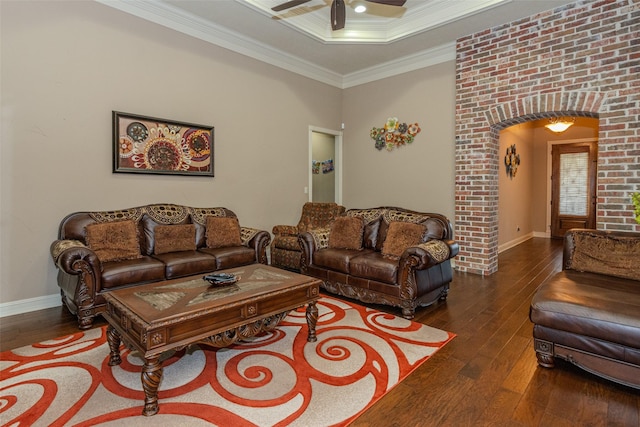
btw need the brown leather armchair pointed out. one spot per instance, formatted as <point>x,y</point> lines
<point>285,249</point>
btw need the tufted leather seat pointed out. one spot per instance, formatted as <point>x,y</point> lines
<point>589,314</point>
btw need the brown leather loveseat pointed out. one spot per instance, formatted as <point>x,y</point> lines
<point>384,255</point>
<point>101,251</point>
<point>589,313</point>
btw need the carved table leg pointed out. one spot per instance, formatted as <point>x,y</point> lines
<point>151,376</point>
<point>113,337</point>
<point>312,319</point>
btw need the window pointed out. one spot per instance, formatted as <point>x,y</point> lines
<point>574,179</point>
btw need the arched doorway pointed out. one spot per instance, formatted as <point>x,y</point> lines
<point>478,162</point>
<point>525,188</point>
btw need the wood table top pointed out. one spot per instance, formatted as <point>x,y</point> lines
<point>162,301</point>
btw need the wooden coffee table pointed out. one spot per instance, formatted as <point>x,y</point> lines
<point>174,314</point>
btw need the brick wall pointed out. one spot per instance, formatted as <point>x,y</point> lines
<point>582,59</point>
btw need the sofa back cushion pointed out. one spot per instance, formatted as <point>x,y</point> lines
<point>346,233</point>
<point>371,219</point>
<point>318,215</point>
<point>113,241</point>
<point>199,218</point>
<point>174,238</point>
<point>400,236</point>
<point>436,226</point>
<point>223,232</point>
<point>377,220</point>
<point>74,226</point>
<point>613,254</point>
<point>160,215</point>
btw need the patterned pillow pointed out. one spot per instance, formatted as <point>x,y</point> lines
<point>223,232</point>
<point>174,238</point>
<point>346,233</point>
<point>114,241</point>
<point>400,236</point>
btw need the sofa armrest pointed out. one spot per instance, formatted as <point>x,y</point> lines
<point>81,265</point>
<point>310,242</point>
<point>258,240</point>
<point>285,230</point>
<point>431,253</point>
<point>74,257</point>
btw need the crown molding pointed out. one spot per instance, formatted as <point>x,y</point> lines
<point>177,20</point>
<point>423,59</point>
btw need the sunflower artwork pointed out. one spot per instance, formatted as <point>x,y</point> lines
<point>149,145</point>
<point>394,134</point>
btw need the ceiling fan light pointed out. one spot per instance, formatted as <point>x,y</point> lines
<point>559,125</point>
<point>359,7</point>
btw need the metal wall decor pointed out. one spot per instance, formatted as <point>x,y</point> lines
<point>394,134</point>
<point>512,161</point>
<point>157,146</point>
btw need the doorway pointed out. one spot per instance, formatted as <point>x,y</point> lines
<point>325,165</point>
<point>524,199</point>
<point>573,186</point>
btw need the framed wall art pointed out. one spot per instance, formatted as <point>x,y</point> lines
<point>157,146</point>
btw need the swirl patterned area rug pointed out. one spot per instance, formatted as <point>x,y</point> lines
<point>277,379</point>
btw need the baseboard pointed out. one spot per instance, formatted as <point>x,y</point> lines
<point>546,235</point>
<point>30,304</point>
<point>515,242</point>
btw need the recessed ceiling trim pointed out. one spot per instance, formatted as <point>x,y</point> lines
<point>437,14</point>
<point>429,15</point>
<point>176,19</point>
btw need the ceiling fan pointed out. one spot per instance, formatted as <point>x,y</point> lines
<point>338,12</point>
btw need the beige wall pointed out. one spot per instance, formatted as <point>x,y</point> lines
<point>419,176</point>
<point>515,202</point>
<point>67,65</point>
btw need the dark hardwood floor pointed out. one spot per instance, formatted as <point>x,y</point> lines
<point>486,376</point>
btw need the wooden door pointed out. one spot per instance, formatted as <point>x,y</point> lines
<point>573,187</point>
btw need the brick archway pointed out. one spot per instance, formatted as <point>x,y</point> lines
<point>579,58</point>
<point>477,194</point>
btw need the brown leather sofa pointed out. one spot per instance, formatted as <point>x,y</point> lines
<point>285,249</point>
<point>100,251</point>
<point>402,258</point>
<point>589,313</point>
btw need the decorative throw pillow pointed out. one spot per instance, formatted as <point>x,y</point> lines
<point>223,231</point>
<point>346,233</point>
<point>114,241</point>
<point>174,238</point>
<point>400,236</point>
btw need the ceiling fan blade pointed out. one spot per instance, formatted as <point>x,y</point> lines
<point>289,5</point>
<point>389,2</point>
<point>338,14</point>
